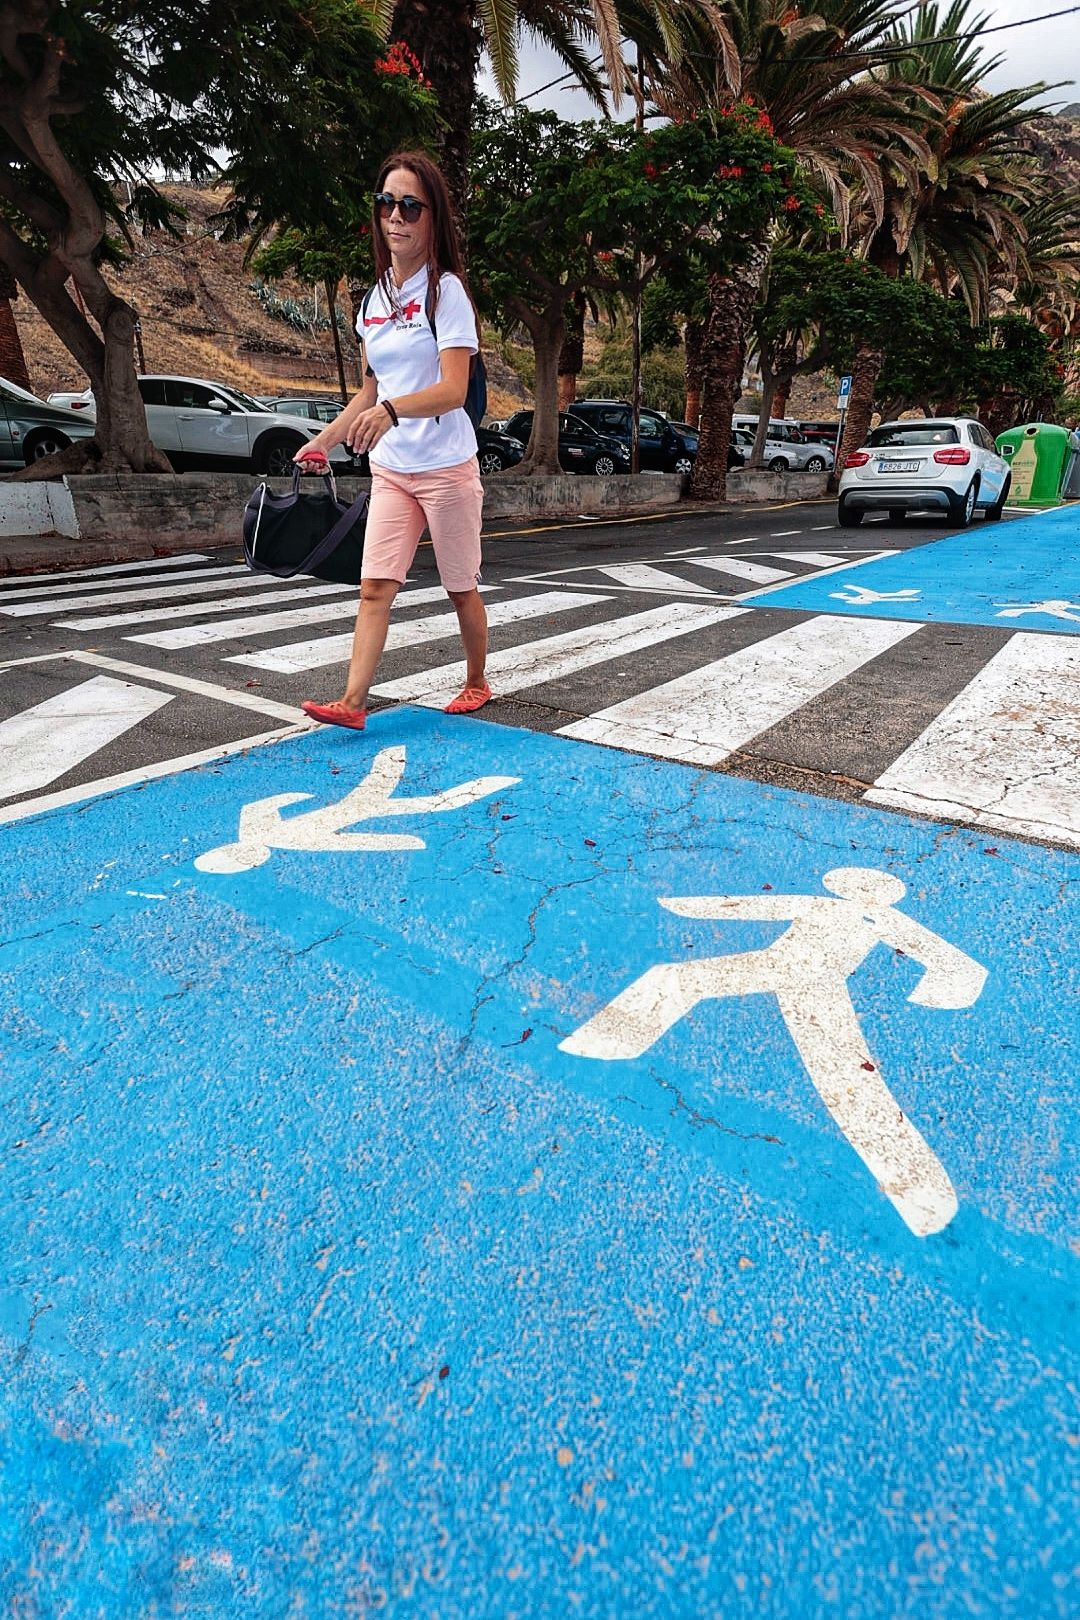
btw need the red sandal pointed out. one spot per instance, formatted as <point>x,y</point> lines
<point>336,714</point>
<point>469,699</point>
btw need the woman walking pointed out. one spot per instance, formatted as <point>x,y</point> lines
<point>419,332</point>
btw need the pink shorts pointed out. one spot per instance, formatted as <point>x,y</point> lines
<point>447,501</point>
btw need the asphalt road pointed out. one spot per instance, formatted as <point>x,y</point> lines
<point>685,583</point>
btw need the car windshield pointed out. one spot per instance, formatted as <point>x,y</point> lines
<point>898,435</point>
<point>13,391</point>
<point>245,401</point>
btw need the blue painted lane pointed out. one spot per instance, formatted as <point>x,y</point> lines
<point>1023,575</point>
<point>338,1282</point>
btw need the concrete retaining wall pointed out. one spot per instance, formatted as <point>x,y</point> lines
<point>762,485</point>
<point>204,509</point>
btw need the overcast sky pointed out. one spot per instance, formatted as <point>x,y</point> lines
<point>1039,50</point>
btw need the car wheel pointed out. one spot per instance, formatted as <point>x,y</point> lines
<point>274,454</point>
<point>491,461</point>
<point>777,464</point>
<point>961,512</point>
<point>993,513</point>
<point>849,517</point>
<point>604,466</point>
<point>48,443</point>
<point>684,464</point>
<point>816,464</point>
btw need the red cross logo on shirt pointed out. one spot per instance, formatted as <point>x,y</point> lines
<point>411,308</point>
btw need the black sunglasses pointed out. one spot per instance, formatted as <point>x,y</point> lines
<point>410,208</point>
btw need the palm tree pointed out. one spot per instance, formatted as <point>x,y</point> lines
<point>812,75</point>
<point>964,221</point>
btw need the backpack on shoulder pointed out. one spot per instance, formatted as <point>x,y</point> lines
<point>476,398</point>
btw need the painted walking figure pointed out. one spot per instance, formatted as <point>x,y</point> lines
<point>807,970</point>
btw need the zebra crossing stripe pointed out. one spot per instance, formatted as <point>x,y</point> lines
<point>78,575</point>
<point>704,716</point>
<point>740,568</point>
<point>203,635</point>
<point>316,654</point>
<point>816,559</point>
<point>152,593</point>
<point>1004,752</point>
<point>53,737</point>
<point>185,610</point>
<point>536,662</point>
<point>643,576</point>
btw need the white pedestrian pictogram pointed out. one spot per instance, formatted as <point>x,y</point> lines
<point>863,596</point>
<point>1056,608</point>
<point>263,828</point>
<point>807,970</point>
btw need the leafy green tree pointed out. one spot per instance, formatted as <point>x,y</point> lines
<point>99,97</point>
<point>560,207</point>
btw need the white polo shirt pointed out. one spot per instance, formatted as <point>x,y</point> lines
<point>401,351</point>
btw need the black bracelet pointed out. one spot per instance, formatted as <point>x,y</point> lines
<point>390,411</point>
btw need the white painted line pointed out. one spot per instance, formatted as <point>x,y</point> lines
<point>185,683</point>
<point>163,591</point>
<point>110,568</point>
<point>823,573</point>
<point>822,528</point>
<point>261,624</point>
<point>740,568</point>
<point>1004,752</point>
<point>53,737</point>
<point>642,576</point>
<point>705,716</point>
<point>819,559</point>
<point>536,662</point>
<point>145,773</point>
<point>159,582</point>
<point>303,655</point>
<point>783,534</point>
<point>186,610</point>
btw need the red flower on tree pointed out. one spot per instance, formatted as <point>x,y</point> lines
<point>400,61</point>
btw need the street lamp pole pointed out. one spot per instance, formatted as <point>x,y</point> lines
<point>635,336</point>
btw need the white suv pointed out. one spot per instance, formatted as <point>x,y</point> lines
<point>786,447</point>
<point>946,464</point>
<point>199,423</point>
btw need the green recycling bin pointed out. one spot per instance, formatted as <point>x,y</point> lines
<point>1036,454</point>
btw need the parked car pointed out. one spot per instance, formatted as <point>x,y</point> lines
<point>947,464</point>
<point>663,447</point>
<point>204,424</point>
<point>581,448</point>
<point>31,428</point>
<point>785,448</point>
<point>819,432</point>
<point>315,407</point>
<point>495,451</point>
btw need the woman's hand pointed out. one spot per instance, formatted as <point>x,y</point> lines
<point>368,429</point>
<point>309,458</point>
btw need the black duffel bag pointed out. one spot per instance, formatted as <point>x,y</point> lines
<point>299,533</point>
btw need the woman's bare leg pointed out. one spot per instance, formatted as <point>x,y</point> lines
<point>472,621</point>
<point>369,638</point>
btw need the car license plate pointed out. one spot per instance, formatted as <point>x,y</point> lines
<point>898,466</point>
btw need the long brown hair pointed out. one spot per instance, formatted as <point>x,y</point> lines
<point>445,252</point>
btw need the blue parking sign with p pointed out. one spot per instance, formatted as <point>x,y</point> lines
<point>460,1171</point>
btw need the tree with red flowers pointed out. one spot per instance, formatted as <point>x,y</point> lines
<point>559,208</point>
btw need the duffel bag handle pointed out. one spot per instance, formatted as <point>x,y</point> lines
<point>327,477</point>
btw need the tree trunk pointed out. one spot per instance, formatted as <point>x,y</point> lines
<point>445,36</point>
<point>12,359</point>
<point>731,305</point>
<point>547,330</point>
<point>783,396</point>
<point>693,337</point>
<point>864,375</point>
<point>331,309</point>
<point>572,353</point>
<point>765,410</point>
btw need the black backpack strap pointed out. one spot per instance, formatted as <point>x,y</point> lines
<point>363,321</point>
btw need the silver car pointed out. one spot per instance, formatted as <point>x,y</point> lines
<point>946,464</point>
<point>786,448</point>
<point>30,428</point>
<point>201,423</point>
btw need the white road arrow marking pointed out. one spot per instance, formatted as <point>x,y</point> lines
<point>53,737</point>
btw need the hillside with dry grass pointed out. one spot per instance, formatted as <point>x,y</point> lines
<point>201,317</point>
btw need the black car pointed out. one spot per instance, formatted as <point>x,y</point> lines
<point>494,451</point>
<point>581,448</point>
<point>662,446</point>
